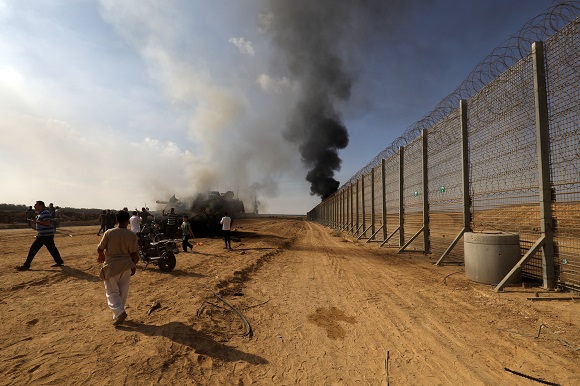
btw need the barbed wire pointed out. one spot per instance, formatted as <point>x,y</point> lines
<point>513,49</point>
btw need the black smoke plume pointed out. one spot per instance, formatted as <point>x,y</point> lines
<point>316,41</point>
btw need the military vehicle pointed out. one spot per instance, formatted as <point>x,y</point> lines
<point>205,211</point>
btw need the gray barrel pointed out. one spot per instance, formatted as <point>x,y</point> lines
<point>491,255</point>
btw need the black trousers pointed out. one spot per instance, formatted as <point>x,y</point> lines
<point>186,243</point>
<point>48,242</point>
<point>171,230</point>
<point>227,238</point>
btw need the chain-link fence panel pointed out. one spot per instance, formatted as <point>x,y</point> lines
<point>377,203</point>
<point>445,176</point>
<point>413,193</point>
<point>368,206</point>
<point>563,81</point>
<point>392,183</point>
<point>503,159</point>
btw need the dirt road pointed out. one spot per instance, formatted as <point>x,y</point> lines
<point>323,310</point>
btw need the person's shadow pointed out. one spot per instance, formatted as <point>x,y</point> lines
<point>197,340</point>
<point>82,275</point>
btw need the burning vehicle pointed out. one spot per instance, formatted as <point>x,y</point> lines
<point>205,211</point>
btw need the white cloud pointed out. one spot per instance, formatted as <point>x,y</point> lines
<point>62,164</point>
<point>245,46</point>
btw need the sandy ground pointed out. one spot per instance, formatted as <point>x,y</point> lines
<point>323,310</point>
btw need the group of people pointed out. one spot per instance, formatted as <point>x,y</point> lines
<point>187,232</point>
<point>117,252</point>
<point>108,219</point>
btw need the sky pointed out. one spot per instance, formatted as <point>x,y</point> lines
<point>119,103</point>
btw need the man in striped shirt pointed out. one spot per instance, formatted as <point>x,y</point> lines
<point>45,236</point>
<point>171,223</point>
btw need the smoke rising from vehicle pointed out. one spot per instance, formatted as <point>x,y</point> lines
<point>317,42</point>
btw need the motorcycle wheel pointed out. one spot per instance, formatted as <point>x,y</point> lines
<point>167,261</point>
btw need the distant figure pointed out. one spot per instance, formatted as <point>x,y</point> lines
<point>145,216</point>
<point>134,221</point>
<point>118,255</point>
<point>186,233</point>
<point>45,236</point>
<point>52,210</point>
<point>209,222</point>
<point>57,216</point>
<point>30,216</point>
<point>103,222</point>
<point>110,219</point>
<point>226,222</point>
<point>171,222</point>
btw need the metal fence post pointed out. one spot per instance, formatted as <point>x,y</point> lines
<point>363,209</point>
<point>384,199</point>
<point>357,216</point>
<point>543,142</point>
<point>465,165</point>
<point>372,202</point>
<point>401,197</point>
<point>425,194</point>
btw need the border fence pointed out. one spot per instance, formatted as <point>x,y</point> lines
<point>501,152</point>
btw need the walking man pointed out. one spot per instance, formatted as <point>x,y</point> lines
<point>103,221</point>
<point>45,236</point>
<point>186,233</point>
<point>226,222</point>
<point>118,255</point>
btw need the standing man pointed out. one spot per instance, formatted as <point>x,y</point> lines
<point>186,233</point>
<point>226,222</point>
<point>45,236</point>
<point>134,221</point>
<point>209,221</point>
<point>56,217</point>
<point>118,251</point>
<point>52,209</point>
<point>110,219</point>
<point>103,222</point>
<point>30,216</point>
<point>144,216</point>
<point>171,222</point>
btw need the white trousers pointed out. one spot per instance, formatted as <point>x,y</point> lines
<point>117,289</point>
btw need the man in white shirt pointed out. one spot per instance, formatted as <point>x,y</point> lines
<point>135,221</point>
<point>226,222</point>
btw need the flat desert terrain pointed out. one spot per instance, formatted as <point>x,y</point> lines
<point>321,309</point>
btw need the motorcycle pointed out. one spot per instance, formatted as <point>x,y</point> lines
<point>153,231</point>
<point>155,251</point>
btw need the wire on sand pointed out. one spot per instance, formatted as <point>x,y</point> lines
<point>248,328</point>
